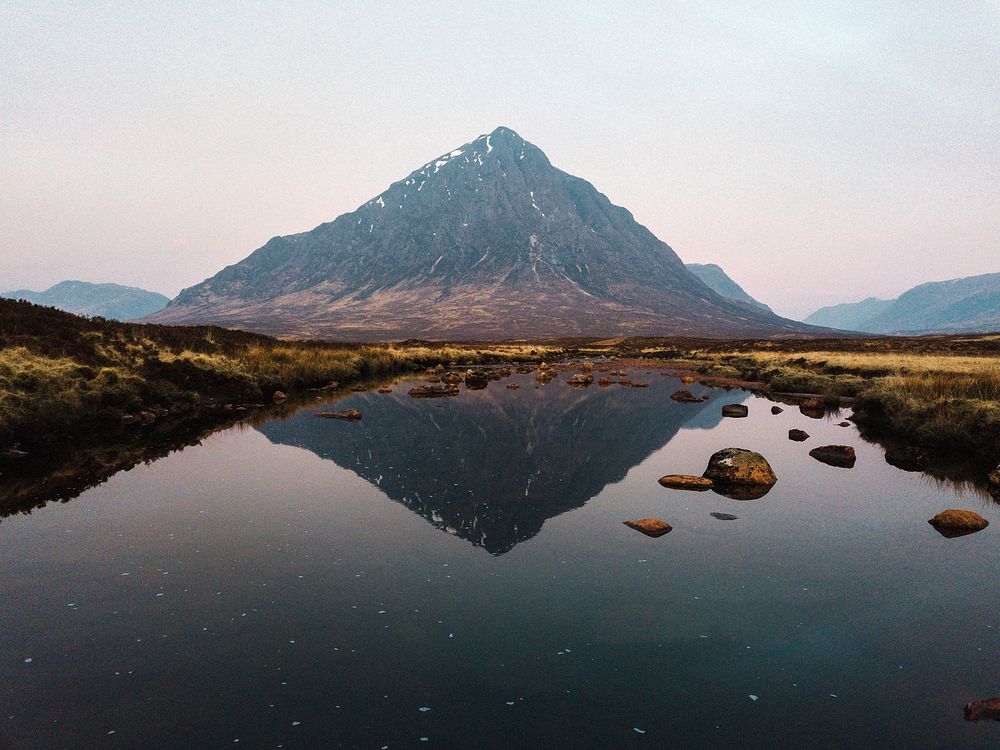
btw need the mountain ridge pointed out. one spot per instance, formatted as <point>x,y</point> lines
<point>107,300</point>
<point>722,283</point>
<point>964,305</point>
<point>488,240</point>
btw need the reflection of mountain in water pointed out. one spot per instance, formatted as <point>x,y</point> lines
<point>491,466</point>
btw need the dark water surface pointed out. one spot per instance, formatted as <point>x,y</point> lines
<point>454,573</point>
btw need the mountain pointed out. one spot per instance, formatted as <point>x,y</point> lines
<point>964,305</point>
<point>487,241</point>
<point>110,301</point>
<point>719,282</point>
<point>849,316</point>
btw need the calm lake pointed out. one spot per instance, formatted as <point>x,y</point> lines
<point>455,573</point>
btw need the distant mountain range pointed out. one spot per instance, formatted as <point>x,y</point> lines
<point>720,282</point>
<point>488,240</point>
<point>964,305</point>
<point>110,301</point>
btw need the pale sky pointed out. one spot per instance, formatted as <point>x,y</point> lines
<point>819,152</point>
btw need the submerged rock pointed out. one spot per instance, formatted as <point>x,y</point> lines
<point>735,410</point>
<point>351,415</point>
<point>385,390</point>
<point>604,382</point>
<point>798,435</point>
<point>841,456</point>
<point>955,522</point>
<point>988,709</point>
<point>653,527</point>
<point>434,391</point>
<point>734,469</point>
<point>686,482</point>
<point>776,410</point>
<point>685,396</point>
<point>476,380</point>
<point>512,386</point>
<point>907,457</point>
<point>724,516</point>
<point>814,408</point>
<point>639,385</point>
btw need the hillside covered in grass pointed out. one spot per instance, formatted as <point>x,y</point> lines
<point>61,374</point>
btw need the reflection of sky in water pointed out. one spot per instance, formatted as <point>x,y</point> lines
<point>232,590</point>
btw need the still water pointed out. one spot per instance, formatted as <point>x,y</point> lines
<point>455,573</point>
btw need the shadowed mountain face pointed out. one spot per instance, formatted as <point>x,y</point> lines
<point>487,241</point>
<point>491,466</point>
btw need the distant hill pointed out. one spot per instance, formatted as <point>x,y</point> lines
<point>489,240</point>
<point>720,282</point>
<point>849,316</point>
<point>111,301</point>
<point>964,305</point>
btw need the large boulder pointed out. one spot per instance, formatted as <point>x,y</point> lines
<point>686,482</point>
<point>743,472</point>
<point>650,526</point>
<point>956,522</point>
<point>841,456</point>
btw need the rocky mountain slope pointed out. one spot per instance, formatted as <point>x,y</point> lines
<point>486,241</point>
<point>111,301</point>
<point>964,305</point>
<point>721,283</point>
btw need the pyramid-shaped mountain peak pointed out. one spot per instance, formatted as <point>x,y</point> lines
<point>489,240</point>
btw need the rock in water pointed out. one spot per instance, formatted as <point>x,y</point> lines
<point>686,482</point>
<point>740,474</point>
<point>685,396</point>
<point>279,396</point>
<point>798,435</point>
<point>351,415</point>
<point>735,410</point>
<point>724,516</point>
<point>983,710</point>
<point>434,391</point>
<point>907,457</point>
<point>813,408</point>
<point>653,527</point>
<point>512,386</point>
<point>841,456</point>
<point>955,522</point>
<point>776,410</point>
<point>994,477</point>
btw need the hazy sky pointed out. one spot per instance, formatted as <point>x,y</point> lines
<point>820,152</point>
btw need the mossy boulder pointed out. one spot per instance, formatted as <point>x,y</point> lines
<point>739,466</point>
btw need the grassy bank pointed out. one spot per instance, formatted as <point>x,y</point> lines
<point>941,392</point>
<point>62,376</point>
